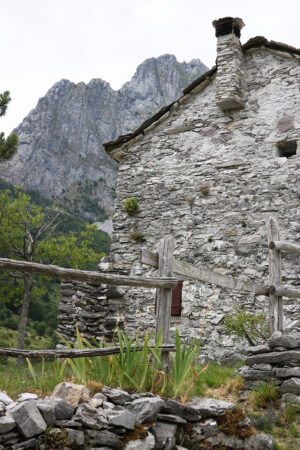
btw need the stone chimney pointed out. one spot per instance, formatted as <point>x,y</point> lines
<point>229,92</point>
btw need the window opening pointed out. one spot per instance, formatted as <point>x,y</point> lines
<point>287,148</point>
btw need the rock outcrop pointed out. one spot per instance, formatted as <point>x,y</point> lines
<point>60,150</point>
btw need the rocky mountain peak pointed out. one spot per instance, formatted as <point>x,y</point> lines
<point>60,151</point>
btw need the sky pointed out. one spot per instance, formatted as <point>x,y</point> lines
<point>44,41</point>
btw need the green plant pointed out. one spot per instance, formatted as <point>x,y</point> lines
<point>214,377</point>
<point>53,439</point>
<point>182,368</point>
<point>103,368</point>
<point>58,370</point>
<point>293,430</point>
<point>209,239</point>
<point>290,413</point>
<point>264,395</point>
<point>137,237</point>
<point>79,366</point>
<point>33,373</point>
<point>131,359</point>
<point>251,327</point>
<point>8,146</point>
<point>131,206</point>
<point>268,419</point>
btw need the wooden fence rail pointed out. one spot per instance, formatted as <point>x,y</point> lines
<point>208,276</point>
<point>285,291</point>
<point>87,276</point>
<point>285,245</point>
<point>66,353</point>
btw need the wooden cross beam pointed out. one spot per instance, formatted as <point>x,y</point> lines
<point>208,276</point>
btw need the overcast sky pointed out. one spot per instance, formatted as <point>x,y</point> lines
<point>43,41</point>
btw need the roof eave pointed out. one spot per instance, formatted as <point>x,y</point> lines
<point>116,149</point>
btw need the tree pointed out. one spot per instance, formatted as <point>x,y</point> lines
<point>28,234</point>
<point>8,147</point>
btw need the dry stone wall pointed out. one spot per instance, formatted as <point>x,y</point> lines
<point>91,309</point>
<point>211,179</point>
<point>278,361</point>
<point>113,418</point>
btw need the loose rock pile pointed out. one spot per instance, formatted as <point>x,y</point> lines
<point>115,419</point>
<point>278,360</point>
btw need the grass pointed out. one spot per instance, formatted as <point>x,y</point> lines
<point>42,377</point>
<point>264,395</point>
<point>15,380</point>
<point>282,422</point>
<point>213,378</point>
<point>8,338</point>
<point>137,370</point>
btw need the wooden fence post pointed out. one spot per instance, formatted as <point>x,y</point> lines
<point>276,312</point>
<point>164,296</point>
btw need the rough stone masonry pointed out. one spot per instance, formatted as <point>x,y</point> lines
<point>114,419</point>
<point>209,171</point>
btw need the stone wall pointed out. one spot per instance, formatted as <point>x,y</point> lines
<point>211,179</point>
<point>113,418</point>
<point>277,361</point>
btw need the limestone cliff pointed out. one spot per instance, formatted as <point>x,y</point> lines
<point>60,152</point>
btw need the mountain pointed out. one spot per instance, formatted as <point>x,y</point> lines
<point>60,151</point>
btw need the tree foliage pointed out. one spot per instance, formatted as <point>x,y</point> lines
<point>29,234</point>
<point>8,146</point>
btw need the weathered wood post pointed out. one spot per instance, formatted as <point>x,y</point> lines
<point>276,312</point>
<point>164,296</point>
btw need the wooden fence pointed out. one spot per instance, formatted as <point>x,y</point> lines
<point>167,266</point>
<point>276,290</point>
<point>165,282</point>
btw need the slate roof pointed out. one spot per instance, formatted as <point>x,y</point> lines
<point>256,42</point>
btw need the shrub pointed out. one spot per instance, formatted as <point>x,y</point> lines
<point>11,322</point>
<point>251,327</point>
<point>131,206</point>
<point>40,328</point>
<point>137,237</point>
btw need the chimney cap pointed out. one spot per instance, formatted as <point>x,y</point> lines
<point>228,25</point>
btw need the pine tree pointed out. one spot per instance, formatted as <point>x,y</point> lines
<point>8,147</point>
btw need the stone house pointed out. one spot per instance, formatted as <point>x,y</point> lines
<point>208,169</point>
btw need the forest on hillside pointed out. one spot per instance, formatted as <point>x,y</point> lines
<point>43,310</point>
